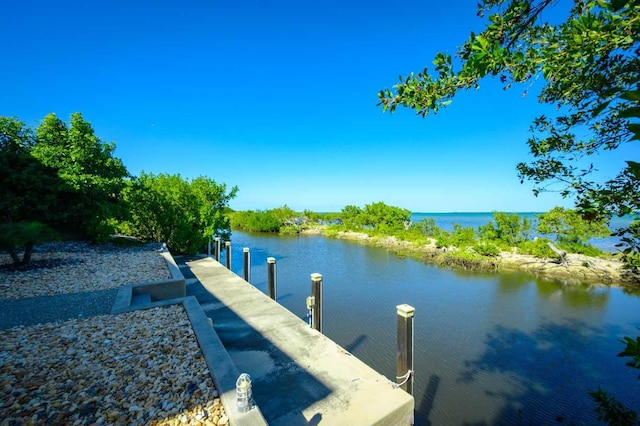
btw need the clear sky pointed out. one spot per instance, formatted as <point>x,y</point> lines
<point>276,97</point>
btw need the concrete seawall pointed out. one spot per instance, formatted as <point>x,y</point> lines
<point>300,377</point>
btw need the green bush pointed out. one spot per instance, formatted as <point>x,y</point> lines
<point>281,219</point>
<point>184,214</point>
<point>427,227</point>
<point>538,248</point>
<point>255,221</point>
<point>577,248</point>
<point>508,229</point>
<point>487,249</point>
<point>460,237</point>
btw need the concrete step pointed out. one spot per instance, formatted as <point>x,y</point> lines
<point>140,299</point>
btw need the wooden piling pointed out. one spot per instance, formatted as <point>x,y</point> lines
<point>271,277</point>
<point>404,370</point>
<point>227,246</point>
<point>316,293</point>
<point>247,264</point>
<point>217,247</point>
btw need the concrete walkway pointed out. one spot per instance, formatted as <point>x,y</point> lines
<point>300,377</point>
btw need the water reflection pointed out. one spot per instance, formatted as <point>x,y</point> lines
<point>547,365</point>
<point>575,295</point>
<point>509,282</point>
<point>425,404</point>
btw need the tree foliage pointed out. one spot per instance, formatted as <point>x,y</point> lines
<point>384,218</point>
<point>427,227</point>
<point>182,213</point>
<point>569,227</point>
<point>28,188</point>
<point>591,72</point>
<point>630,244</point>
<point>352,216</point>
<point>510,229</point>
<point>280,219</point>
<point>28,192</point>
<point>91,178</point>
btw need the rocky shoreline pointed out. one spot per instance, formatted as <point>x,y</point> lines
<point>579,268</point>
<point>141,367</point>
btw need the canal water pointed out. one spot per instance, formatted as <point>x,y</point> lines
<point>489,348</point>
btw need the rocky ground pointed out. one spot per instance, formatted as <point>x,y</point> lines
<point>72,267</point>
<point>142,367</point>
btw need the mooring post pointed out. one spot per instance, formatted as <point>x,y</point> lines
<point>217,240</point>
<point>271,277</point>
<point>316,294</point>
<point>227,246</point>
<point>404,370</point>
<point>247,264</point>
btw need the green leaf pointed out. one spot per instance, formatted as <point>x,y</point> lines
<point>635,129</point>
<point>632,95</point>
<point>597,110</point>
<point>631,112</point>
<point>616,5</point>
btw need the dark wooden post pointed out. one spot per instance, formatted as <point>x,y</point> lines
<point>247,264</point>
<point>316,293</point>
<point>209,248</point>
<point>271,277</point>
<point>227,246</point>
<point>217,240</point>
<point>404,369</point>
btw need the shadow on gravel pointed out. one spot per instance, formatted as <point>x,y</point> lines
<point>62,307</point>
<point>39,264</point>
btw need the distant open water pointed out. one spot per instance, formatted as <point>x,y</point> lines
<point>474,220</point>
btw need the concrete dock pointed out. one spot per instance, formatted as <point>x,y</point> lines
<point>299,376</point>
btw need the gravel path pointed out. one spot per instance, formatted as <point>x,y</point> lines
<point>65,360</point>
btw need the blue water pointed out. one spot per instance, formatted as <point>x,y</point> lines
<point>474,220</point>
<point>501,348</point>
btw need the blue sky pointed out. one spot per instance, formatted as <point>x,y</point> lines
<point>276,97</point>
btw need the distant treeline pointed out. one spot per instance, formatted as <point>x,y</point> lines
<point>564,227</point>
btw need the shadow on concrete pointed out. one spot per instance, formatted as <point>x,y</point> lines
<point>426,403</point>
<point>281,387</point>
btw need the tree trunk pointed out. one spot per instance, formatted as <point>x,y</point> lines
<point>26,257</point>
<point>14,256</point>
<point>562,254</point>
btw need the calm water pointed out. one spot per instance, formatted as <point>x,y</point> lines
<point>490,349</point>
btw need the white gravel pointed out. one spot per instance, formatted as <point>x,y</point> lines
<point>65,360</point>
<point>142,367</point>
